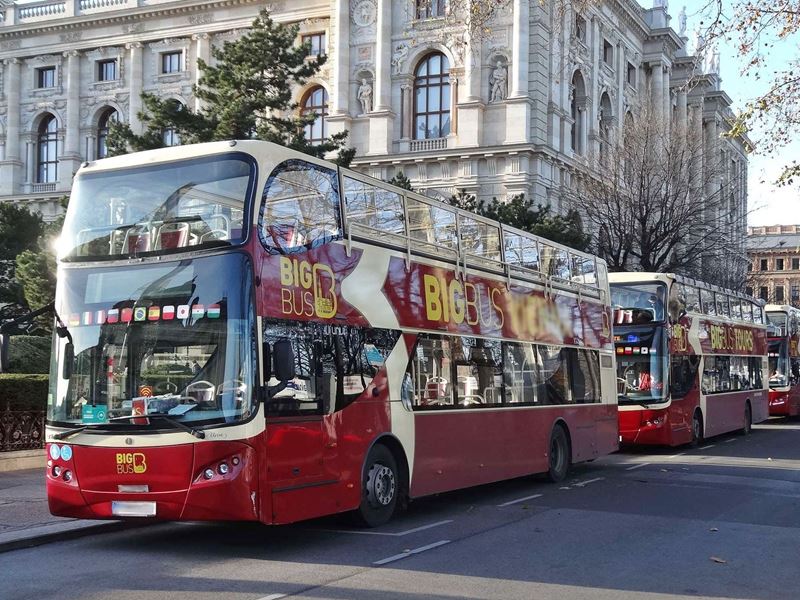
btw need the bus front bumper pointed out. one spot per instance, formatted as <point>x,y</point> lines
<point>196,482</point>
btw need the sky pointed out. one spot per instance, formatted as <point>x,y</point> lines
<point>768,204</point>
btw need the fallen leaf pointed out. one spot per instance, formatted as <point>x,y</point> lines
<point>713,529</point>
<point>719,560</point>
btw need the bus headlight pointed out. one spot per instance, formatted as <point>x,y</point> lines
<point>67,476</point>
<point>223,468</point>
<point>56,471</point>
<point>208,473</point>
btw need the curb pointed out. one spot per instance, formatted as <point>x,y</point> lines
<point>57,532</point>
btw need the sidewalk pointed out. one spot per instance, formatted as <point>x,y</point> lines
<point>25,519</point>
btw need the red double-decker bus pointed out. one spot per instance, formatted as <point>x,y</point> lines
<point>691,359</point>
<point>248,333</point>
<point>784,360</point>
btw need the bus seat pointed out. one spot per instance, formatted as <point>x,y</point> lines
<point>136,240</point>
<point>172,235</point>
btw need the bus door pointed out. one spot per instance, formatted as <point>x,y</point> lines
<point>684,393</point>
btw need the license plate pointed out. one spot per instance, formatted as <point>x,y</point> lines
<point>133,509</point>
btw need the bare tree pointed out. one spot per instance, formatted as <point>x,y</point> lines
<point>657,199</point>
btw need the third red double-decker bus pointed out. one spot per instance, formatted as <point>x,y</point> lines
<point>784,360</point>
<point>246,332</point>
<point>691,359</point>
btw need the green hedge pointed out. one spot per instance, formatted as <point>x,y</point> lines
<point>29,354</point>
<point>23,392</point>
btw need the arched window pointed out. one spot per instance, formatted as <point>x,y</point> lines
<point>109,116</point>
<point>316,102</point>
<point>606,128</point>
<point>577,109</point>
<point>47,151</point>
<point>432,97</point>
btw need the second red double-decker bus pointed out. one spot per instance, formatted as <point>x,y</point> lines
<point>784,360</point>
<point>691,359</point>
<point>246,332</point>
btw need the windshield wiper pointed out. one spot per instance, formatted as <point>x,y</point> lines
<point>642,403</point>
<point>177,424</point>
<point>164,417</point>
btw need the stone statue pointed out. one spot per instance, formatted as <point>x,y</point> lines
<point>682,22</point>
<point>399,57</point>
<point>713,61</point>
<point>365,96</point>
<point>498,83</point>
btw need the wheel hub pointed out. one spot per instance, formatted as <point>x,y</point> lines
<point>381,485</point>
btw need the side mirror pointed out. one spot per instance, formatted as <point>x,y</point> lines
<point>69,359</point>
<point>283,360</point>
<point>266,351</point>
<point>4,353</point>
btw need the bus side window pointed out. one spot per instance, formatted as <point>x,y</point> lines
<point>431,373</point>
<point>299,208</point>
<point>555,372</point>
<point>520,374</point>
<point>684,371</point>
<point>584,367</point>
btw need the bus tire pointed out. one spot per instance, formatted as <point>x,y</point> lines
<point>380,487</point>
<point>748,419</point>
<point>559,455</point>
<point>697,428</point>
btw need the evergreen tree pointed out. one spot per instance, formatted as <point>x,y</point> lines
<point>20,231</point>
<point>538,219</point>
<point>245,96</point>
<point>401,181</point>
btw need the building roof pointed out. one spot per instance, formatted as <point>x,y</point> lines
<point>774,241</point>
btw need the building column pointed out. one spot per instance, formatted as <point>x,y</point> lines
<point>135,88</point>
<point>70,160</point>
<point>657,89</point>
<point>203,52</point>
<point>406,110</point>
<point>682,109</point>
<point>30,153</point>
<point>383,58</point>
<point>341,75</point>
<point>11,165</point>
<point>520,49</point>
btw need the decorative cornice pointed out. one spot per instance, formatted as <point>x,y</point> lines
<point>183,7</point>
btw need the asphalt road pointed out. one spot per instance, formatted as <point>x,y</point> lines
<point>720,521</point>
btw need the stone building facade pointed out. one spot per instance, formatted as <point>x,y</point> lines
<point>774,268</point>
<point>522,109</point>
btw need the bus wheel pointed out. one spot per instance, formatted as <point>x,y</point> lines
<point>697,428</point>
<point>748,419</point>
<point>560,458</point>
<point>380,489</point>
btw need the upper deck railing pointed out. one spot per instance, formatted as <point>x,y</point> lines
<point>379,213</point>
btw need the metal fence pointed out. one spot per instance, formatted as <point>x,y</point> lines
<point>21,429</point>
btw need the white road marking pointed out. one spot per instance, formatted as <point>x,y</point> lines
<point>675,455</point>
<point>707,447</point>
<point>730,440</point>
<point>403,555</point>
<point>519,500</point>
<point>637,466</point>
<point>273,597</point>
<point>390,534</point>
<point>583,483</point>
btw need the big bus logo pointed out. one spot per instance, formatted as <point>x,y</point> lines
<point>131,463</point>
<point>308,290</point>
<point>680,338</point>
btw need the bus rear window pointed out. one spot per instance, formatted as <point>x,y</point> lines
<point>158,209</point>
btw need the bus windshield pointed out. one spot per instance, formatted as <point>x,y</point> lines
<point>641,366</point>
<point>638,303</point>
<point>778,354</point>
<point>175,338</point>
<point>158,209</point>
